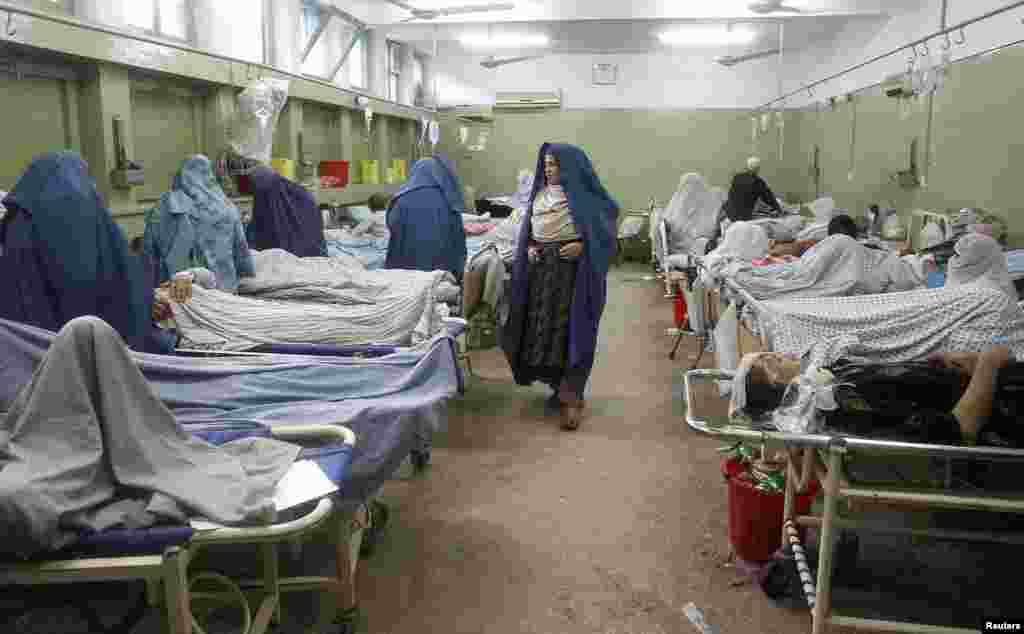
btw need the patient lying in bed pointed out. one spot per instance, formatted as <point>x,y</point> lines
<point>948,398</point>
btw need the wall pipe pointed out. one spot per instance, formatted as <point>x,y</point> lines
<point>930,126</point>
<point>914,44</point>
<point>13,9</point>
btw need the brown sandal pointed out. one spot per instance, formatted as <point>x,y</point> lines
<point>572,416</point>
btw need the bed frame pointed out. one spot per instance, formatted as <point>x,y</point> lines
<point>166,575</point>
<point>824,458</point>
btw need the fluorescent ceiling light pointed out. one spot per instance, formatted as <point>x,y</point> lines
<point>708,36</point>
<point>503,41</point>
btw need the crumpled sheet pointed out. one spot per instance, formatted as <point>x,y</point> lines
<point>315,300</point>
<point>88,446</point>
<point>894,327</point>
<point>834,267</point>
<point>391,403</point>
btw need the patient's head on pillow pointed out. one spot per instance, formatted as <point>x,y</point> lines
<point>767,380</point>
<point>379,202</point>
<point>842,224</point>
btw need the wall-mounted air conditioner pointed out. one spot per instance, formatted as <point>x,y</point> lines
<point>472,114</point>
<point>528,101</point>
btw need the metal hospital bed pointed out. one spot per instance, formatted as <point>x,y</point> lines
<point>828,458</point>
<point>391,402</point>
<point>161,556</point>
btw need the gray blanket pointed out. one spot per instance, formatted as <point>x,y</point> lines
<point>87,446</point>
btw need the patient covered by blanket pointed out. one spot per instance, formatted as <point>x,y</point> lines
<point>87,446</point>
<point>837,266</point>
<point>317,300</point>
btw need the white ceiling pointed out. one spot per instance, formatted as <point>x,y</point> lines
<point>623,26</point>
<point>383,12</point>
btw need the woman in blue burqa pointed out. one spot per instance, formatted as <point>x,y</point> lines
<point>284,216</point>
<point>559,278</point>
<point>63,256</point>
<point>425,221</point>
<point>196,226</point>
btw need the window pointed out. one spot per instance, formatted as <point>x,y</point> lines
<point>162,17</point>
<point>311,18</point>
<point>357,63</point>
<point>394,69</point>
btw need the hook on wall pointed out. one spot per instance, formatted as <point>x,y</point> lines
<point>924,49</point>
<point>12,30</point>
<point>947,43</point>
<point>962,40</point>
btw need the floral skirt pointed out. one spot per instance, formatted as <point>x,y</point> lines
<point>544,354</point>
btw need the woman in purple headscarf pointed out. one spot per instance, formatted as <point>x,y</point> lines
<point>559,278</point>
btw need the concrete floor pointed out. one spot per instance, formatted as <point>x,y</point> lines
<point>520,527</point>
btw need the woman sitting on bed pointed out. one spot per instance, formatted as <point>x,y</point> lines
<point>65,257</point>
<point>197,226</point>
<point>948,398</point>
<point>979,258</point>
<point>425,221</point>
<point>284,216</point>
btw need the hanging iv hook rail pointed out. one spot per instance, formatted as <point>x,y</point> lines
<point>911,45</point>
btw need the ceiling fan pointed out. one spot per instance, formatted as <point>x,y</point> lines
<point>491,62</point>
<point>765,7</point>
<point>732,60</point>
<point>433,14</point>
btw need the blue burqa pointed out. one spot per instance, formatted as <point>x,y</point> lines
<point>65,257</point>
<point>284,216</point>
<point>425,221</point>
<point>595,214</point>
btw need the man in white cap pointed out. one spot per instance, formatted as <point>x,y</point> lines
<point>747,189</point>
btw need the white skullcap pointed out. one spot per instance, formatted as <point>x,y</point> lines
<point>753,163</point>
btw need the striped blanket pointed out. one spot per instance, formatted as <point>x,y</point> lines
<point>315,300</point>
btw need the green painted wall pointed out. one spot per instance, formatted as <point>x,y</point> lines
<point>637,154</point>
<point>977,144</point>
<point>42,123</point>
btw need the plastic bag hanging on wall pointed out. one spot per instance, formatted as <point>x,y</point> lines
<point>435,135</point>
<point>259,108</point>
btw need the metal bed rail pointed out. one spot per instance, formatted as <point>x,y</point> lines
<point>166,574</point>
<point>822,456</point>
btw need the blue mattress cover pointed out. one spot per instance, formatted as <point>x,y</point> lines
<point>391,403</point>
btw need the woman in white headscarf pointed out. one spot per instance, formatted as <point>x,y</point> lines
<point>691,214</point>
<point>743,242</point>
<point>979,258</point>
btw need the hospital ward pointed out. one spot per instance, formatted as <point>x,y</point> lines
<point>525,317</point>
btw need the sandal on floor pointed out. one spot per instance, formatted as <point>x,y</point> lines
<point>572,417</point>
<point>347,622</point>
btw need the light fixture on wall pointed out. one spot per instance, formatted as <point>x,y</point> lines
<point>704,35</point>
<point>472,40</point>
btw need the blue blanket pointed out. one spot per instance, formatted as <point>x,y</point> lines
<point>389,402</point>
